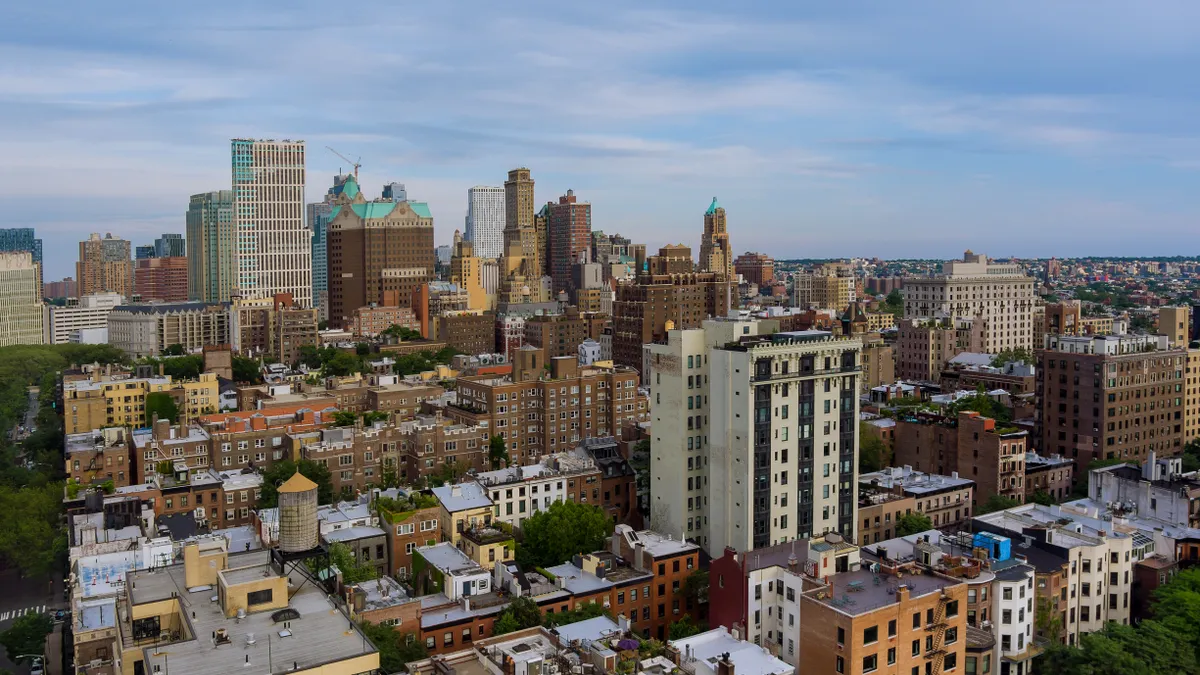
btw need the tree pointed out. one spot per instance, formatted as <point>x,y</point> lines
<point>402,333</point>
<point>589,610</point>
<point>497,452</point>
<point>395,648</point>
<point>695,586</point>
<point>1042,497</point>
<point>872,451</point>
<point>342,363</point>
<point>27,635</point>
<point>33,539</point>
<point>893,303</point>
<point>344,418</point>
<point>283,470</point>
<point>552,536</point>
<point>246,370</point>
<point>683,628</point>
<point>996,503</point>
<point>174,350</point>
<point>913,523</point>
<point>162,404</point>
<point>362,349</point>
<point>1013,355</point>
<point>353,571</point>
<point>520,614</point>
<point>983,404</point>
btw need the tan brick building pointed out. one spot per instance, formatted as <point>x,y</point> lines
<point>98,456</point>
<point>544,408</point>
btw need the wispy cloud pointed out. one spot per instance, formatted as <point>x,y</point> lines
<point>826,129</point>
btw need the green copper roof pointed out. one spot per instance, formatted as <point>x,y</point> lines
<point>377,210</point>
<point>350,188</point>
<point>712,208</point>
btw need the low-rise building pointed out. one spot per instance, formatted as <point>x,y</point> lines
<point>1053,475</point>
<point>1159,490</point>
<point>86,313</point>
<point>99,456</point>
<point>880,512</point>
<point>973,446</point>
<point>147,330</point>
<point>946,500</point>
<point>444,569</point>
<point>519,492</point>
<point>464,506</point>
<point>411,520</point>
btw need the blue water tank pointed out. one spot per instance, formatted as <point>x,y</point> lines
<point>999,548</point>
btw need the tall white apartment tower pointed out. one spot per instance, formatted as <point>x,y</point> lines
<point>273,246</point>
<point>783,439</point>
<point>677,375</point>
<point>485,220</point>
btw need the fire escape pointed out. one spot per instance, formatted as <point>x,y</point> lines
<point>937,630</point>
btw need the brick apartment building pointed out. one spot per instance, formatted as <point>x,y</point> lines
<point>561,334</point>
<point>1111,397</point>
<point>972,445</point>
<point>538,411</point>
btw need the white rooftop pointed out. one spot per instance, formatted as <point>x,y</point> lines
<point>462,497</point>
<point>747,659</point>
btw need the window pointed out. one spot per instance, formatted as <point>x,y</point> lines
<point>951,635</point>
<point>259,597</point>
<point>841,635</point>
<point>916,647</point>
<point>950,662</point>
<point>870,635</point>
<point>870,663</point>
<point>892,656</point>
<point>840,665</point>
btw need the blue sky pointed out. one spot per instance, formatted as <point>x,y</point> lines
<point>826,129</point>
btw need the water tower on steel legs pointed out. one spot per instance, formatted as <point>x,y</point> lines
<point>299,533</point>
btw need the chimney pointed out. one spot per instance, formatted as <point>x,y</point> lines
<point>725,665</point>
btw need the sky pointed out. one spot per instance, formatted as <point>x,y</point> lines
<point>913,129</point>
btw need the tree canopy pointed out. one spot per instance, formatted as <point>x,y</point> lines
<point>498,452</point>
<point>685,627</point>
<point>552,536</point>
<point>588,610</point>
<point>520,614</point>
<point>983,404</point>
<point>353,571</point>
<point>27,635</point>
<point>872,451</point>
<point>163,405</point>
<point>283,470</point>
<point>912,523</point>
<point>1166,643</point>
<point>246,370</point>
<point>996,503</point>
<point>395,648</point>
<point>1013,355</point>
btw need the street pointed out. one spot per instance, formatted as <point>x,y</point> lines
<point>22,430</point>
<point>19,597</point>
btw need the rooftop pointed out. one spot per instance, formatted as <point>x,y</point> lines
<point>322,635</point>
<point>861,591</point>
<point>449,560</point>
<point>354,533</point>
<point>707,648</point>
<point>914,482</point>
<point>462,497</point>
<point>655,543</point>
<point>382,593</point>
<point>577,581</point>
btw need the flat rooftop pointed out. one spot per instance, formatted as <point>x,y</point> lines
<point>462,496</point>
<point>448,559</point>
<point>862,591</point>
<point>748,659</point>
<point>655,543</point>
<point>321,635</point>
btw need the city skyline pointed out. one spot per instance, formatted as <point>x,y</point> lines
<point>1052,130</point>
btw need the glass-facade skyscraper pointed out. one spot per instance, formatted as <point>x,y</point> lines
<point>17,239</point>
<point>210,237</point>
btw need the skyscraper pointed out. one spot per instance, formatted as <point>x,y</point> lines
<point>162,279</point>
<point>273,246</point>
<point>104,266</point>
<point>485,220</point>
<point>318,221</point>
<point>15,239</point>
<point>169,246</point>
<point>143,252</point>
<point>375,248</point>
<point>569,229</point>
<point>715,253</point>
<point>210,237</point>
<point>395,192</point>
<point>20,300</point>
<point>521,260</point>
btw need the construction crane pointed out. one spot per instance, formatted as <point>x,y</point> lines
<point>356,164</point>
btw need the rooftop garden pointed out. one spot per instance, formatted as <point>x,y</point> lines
<point>399,510</point>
